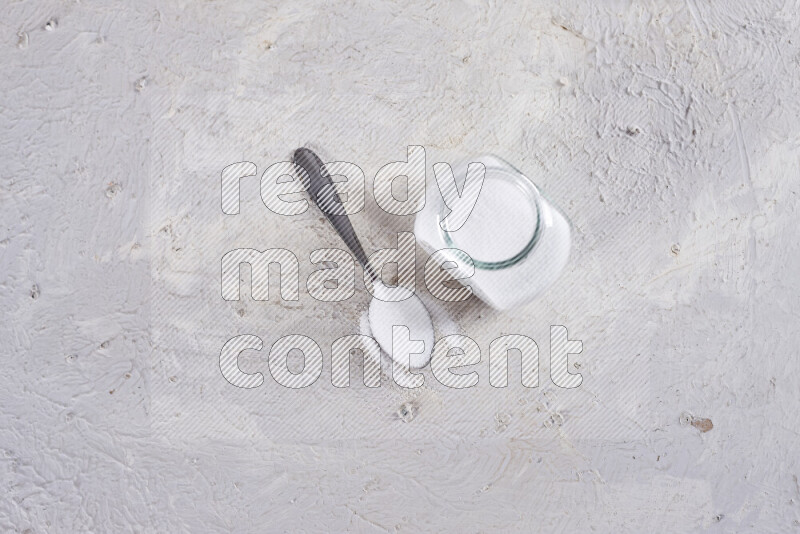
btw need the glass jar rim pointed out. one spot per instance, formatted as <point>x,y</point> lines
<point>507,172</point>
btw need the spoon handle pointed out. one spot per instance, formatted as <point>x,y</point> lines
<point>320,187</point>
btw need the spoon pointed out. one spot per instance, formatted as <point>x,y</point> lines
<point>383,314</point>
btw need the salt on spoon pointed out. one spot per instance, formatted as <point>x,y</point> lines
<point>384,313</point>
<point>411,313</point>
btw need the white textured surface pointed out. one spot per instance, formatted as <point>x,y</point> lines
<point>653,125</point>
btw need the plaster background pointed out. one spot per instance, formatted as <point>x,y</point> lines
<point>651,124</point>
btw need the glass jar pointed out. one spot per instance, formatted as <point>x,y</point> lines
<point>517,241</point>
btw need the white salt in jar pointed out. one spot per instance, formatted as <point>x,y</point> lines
<point>517,241</point>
